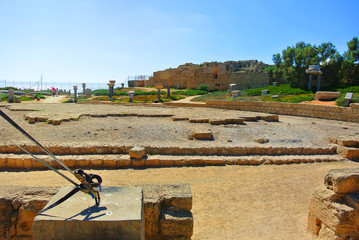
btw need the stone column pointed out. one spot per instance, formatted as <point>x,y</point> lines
<point>110,90</point>
<point>168,92</point>
<point>159,87</point>
<point>11,95</point>
<point>83,89</point>
<point>75,94</point>
<point>310,82</point>
<point>318,82</point>
<point>112,87</point>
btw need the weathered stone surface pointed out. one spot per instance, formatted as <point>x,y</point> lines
<point>138,152</point>
<point>204,135</point>
<point>120,216</point>
<point>180,118</point>
<point>26,215</point>
<point>226,121</point>
<point>18,207</point>
<point>321,95</point>
<point>155,197</point>
<point>261,140</point>
<point>199,120</point>
<point>344,180</point>
<point>245,74</point>
<point>346,142</point>
<point>176,223</point>
<point>333,216</point>
<point>270,118</point>
<point>159,198</point>
<point>351,153</point>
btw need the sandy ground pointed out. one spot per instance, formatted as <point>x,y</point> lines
<point>229,202</point>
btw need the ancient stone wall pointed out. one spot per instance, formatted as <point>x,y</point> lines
<point>167,210</point>
<point>349,114</point>
<point>246,74</point>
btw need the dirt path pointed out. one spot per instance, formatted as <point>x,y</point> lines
<point>188,99</point>
<point>52,99</point>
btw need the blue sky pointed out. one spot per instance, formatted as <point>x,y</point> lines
<point>97,40</point>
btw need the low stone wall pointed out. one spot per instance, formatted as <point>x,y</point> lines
<point>221,151</point>
<point>349,114</point>
<point>167,210</point>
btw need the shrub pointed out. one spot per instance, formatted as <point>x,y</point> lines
<point>352,89</point>
<point>283,89</point>
<point>203,87</point>
<point>4,97</point>
<point>340,101</point>
<point>190,92</point>
<point>25,98</point>
<point>100,92</point>
<point>289,98</point>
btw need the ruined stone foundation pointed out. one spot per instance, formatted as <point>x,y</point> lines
<point>334,210</point>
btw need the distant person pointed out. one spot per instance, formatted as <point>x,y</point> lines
<point>53,92</point>
<point>57,92</point>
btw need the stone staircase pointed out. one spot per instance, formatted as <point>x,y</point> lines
<point>118,157</point>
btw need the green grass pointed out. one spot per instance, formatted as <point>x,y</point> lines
<point>340,101</point>
<point>25,98</point>
<point>352,89</point>
<point>283,89</point>
<point>190,92</point>
<point>212,96</point>
<point>289,98</point>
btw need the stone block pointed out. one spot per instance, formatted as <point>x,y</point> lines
<point>321,95</point>
<point>351,153</point>
<point>344,180</point>
<point>348,142</point>
<point>270,118</point>
<point>138,152</point>
<point>199,120</point>
<point>333,216</point>
<point>26,215</point>
<point>176,223</point>
<point>119,216</point>
<point>205,135</point>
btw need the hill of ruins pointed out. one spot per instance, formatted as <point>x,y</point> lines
<point>217,75</point>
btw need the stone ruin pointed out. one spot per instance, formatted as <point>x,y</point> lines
<point>166,211</point>
<point>334,210</point>
<point>218,76</point>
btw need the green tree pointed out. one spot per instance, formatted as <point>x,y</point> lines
<point>349,71</point>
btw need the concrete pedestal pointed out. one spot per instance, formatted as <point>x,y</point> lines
<point>119,216</point>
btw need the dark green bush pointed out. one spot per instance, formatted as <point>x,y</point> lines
<point>203,87</point>
<point>283,89</point>
<point>340,101</point>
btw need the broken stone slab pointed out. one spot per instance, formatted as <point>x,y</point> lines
<point>199,120</point>
<point>138,153</point>
<point>344,180</point>
<point>270,118</point>
<point>348,142</point>
<point>261,140</point>
<point>321,95</point>
<point>176,223</point>
<point>333,216</point>
<point>180,118</point>
<point>348,152</point>
<point>204,135</point>
<point>119,216</point>
<point>157,199</point>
